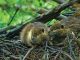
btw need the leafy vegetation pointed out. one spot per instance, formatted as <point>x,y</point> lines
<point>28,10</point>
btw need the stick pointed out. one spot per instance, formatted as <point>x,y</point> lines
<point>28,53</point>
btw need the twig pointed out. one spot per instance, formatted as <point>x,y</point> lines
<point>55,58</point>
<point>67,55</point>
<point>54,13</point>
<point>13,16</point>
<point>28,53</point>
<point>46,51</point>
<point>70,40</point>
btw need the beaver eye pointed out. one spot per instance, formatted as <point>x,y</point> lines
<point>62,26</point>
<point>42,30</point>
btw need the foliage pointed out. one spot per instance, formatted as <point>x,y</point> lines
<point>27,11</point>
